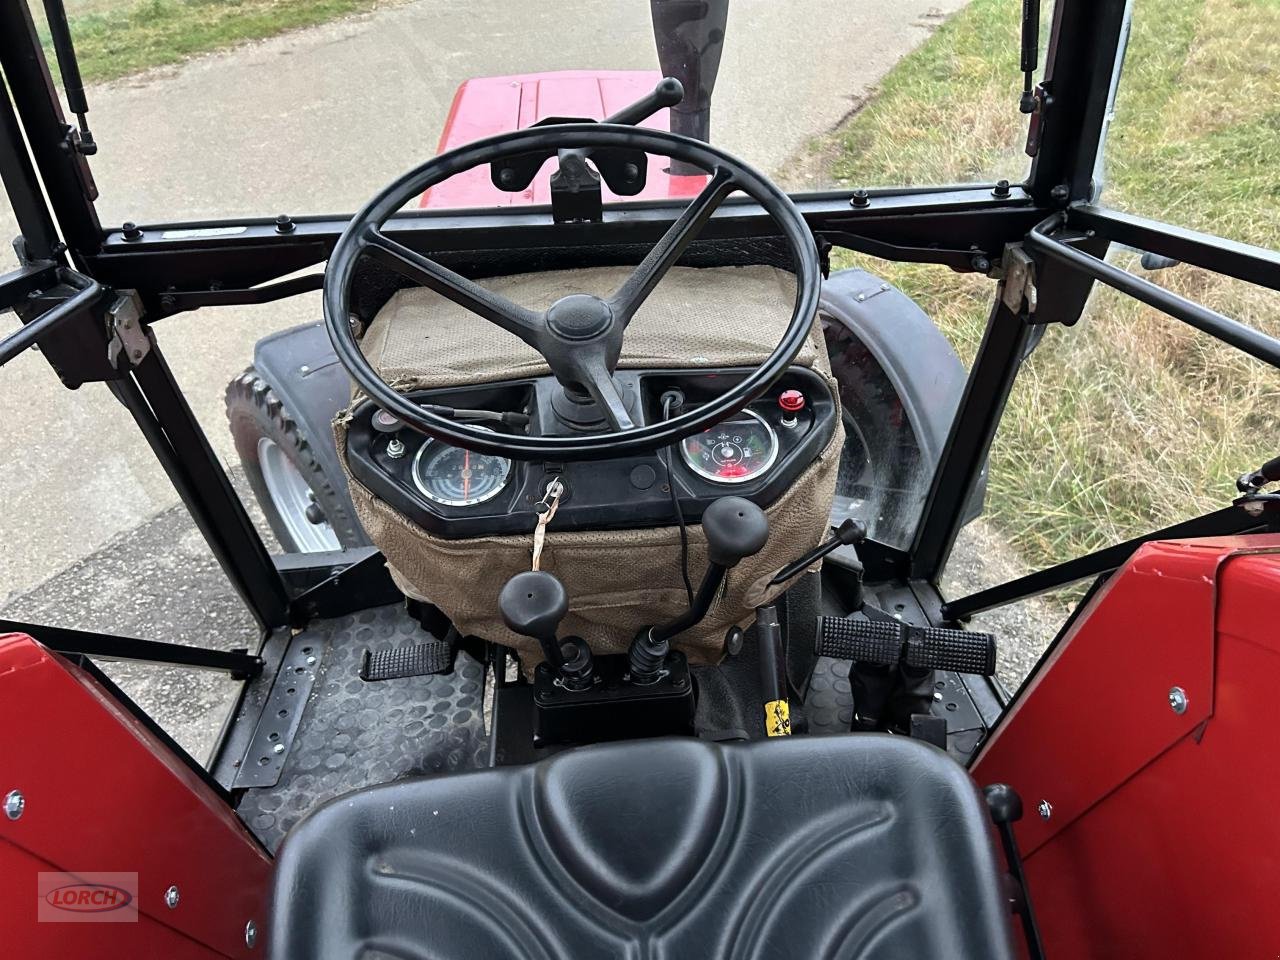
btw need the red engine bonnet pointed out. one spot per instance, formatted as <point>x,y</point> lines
<point>487,106</point>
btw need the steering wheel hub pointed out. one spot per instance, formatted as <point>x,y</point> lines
<point>579,316</point>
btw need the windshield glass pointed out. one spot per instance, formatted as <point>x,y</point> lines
<point>207,109</point>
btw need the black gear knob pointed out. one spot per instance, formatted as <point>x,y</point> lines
<point>735,528</point>
<point>532,604</point>
<point>1003,802</point>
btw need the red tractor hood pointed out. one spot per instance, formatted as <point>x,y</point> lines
<point>489,105</point>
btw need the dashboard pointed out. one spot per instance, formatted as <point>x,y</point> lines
<point>454,493</point>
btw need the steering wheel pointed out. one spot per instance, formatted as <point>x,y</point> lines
<point>580,336</point>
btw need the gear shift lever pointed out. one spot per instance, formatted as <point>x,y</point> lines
<point>532,604</point>
<point>735,529</point>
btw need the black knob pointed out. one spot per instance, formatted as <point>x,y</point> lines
<point>668,92</point>
<point>1003,802</point>
<point>533,603</point>
<point>851,531</point>
<point>735,528</point>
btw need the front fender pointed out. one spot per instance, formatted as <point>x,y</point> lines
<point>916,357</point>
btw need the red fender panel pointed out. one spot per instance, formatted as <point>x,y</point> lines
<point>1161,838</point>
<point>103,794</point>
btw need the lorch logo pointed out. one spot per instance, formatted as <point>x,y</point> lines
<point>87,898</point>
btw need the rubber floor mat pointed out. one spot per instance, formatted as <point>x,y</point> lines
<point>829,706</point>
<point>355,734</point>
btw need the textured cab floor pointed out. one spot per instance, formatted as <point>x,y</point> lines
<point>829,702</point>
<point>829,706</point>
<point>355,734</point>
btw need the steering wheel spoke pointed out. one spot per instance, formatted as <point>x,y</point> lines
<point>637,287</point>
<point>595,378</point>
<point>497,309</point>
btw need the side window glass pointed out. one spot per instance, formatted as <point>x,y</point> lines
<point>1132,421</point>
<point>1196,123</point>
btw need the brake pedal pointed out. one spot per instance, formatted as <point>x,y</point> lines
<point>890,642</point>
<point>415,660</point>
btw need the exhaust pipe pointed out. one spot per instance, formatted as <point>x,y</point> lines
<point>690,35</point>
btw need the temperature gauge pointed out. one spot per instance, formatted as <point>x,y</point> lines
<point>458,478</point>
<point>735,451</point>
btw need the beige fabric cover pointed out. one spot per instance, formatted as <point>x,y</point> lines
<point>618,581</point>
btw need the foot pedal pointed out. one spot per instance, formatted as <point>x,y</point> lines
<point>930,729</point>
<point>890,642</point>
<point>416,660</point>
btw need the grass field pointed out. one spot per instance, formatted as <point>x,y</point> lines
<point>1130,420</point>
<point>115,38</point>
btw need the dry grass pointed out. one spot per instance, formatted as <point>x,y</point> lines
<point>941,116</point>
<point>1130,420</point>
<point>115,38</point>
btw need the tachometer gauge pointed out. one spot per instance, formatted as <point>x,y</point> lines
<point>738,450</point>
<point>455,477</point>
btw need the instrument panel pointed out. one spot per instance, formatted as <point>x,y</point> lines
<point>453,477</point>
<point>457,493</point>
<point>737,450</point>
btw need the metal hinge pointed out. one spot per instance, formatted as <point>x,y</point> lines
<point>1019,284</point>
<point>78,141</point>
<point>129,340</point>
<point>1041,101</point>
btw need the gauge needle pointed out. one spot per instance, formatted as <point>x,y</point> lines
<point>466,474</point>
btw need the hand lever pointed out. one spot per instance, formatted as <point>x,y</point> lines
<point>667,93</point>
<point>847,534</point>
<point>735,529</point>
<point>532,604</point>
<point>1251,482</point>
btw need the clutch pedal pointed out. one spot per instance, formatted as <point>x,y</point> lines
<point>415,660</point>
<point>890,642</point>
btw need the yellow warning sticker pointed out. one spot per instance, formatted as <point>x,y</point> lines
<point>777,718</point>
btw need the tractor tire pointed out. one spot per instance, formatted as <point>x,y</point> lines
<point>307,510</point>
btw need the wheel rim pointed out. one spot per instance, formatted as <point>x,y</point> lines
<point>291,495</point>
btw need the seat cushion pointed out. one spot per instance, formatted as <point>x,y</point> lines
<point>847,846</point>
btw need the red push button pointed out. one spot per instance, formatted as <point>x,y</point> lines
<point>791,401</point>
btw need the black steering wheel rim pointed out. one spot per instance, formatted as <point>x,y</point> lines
<point>358,239</point>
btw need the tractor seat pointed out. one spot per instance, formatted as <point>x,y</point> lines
<point>843,846</point>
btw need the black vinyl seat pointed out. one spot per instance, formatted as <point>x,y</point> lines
<point>807,847</point>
